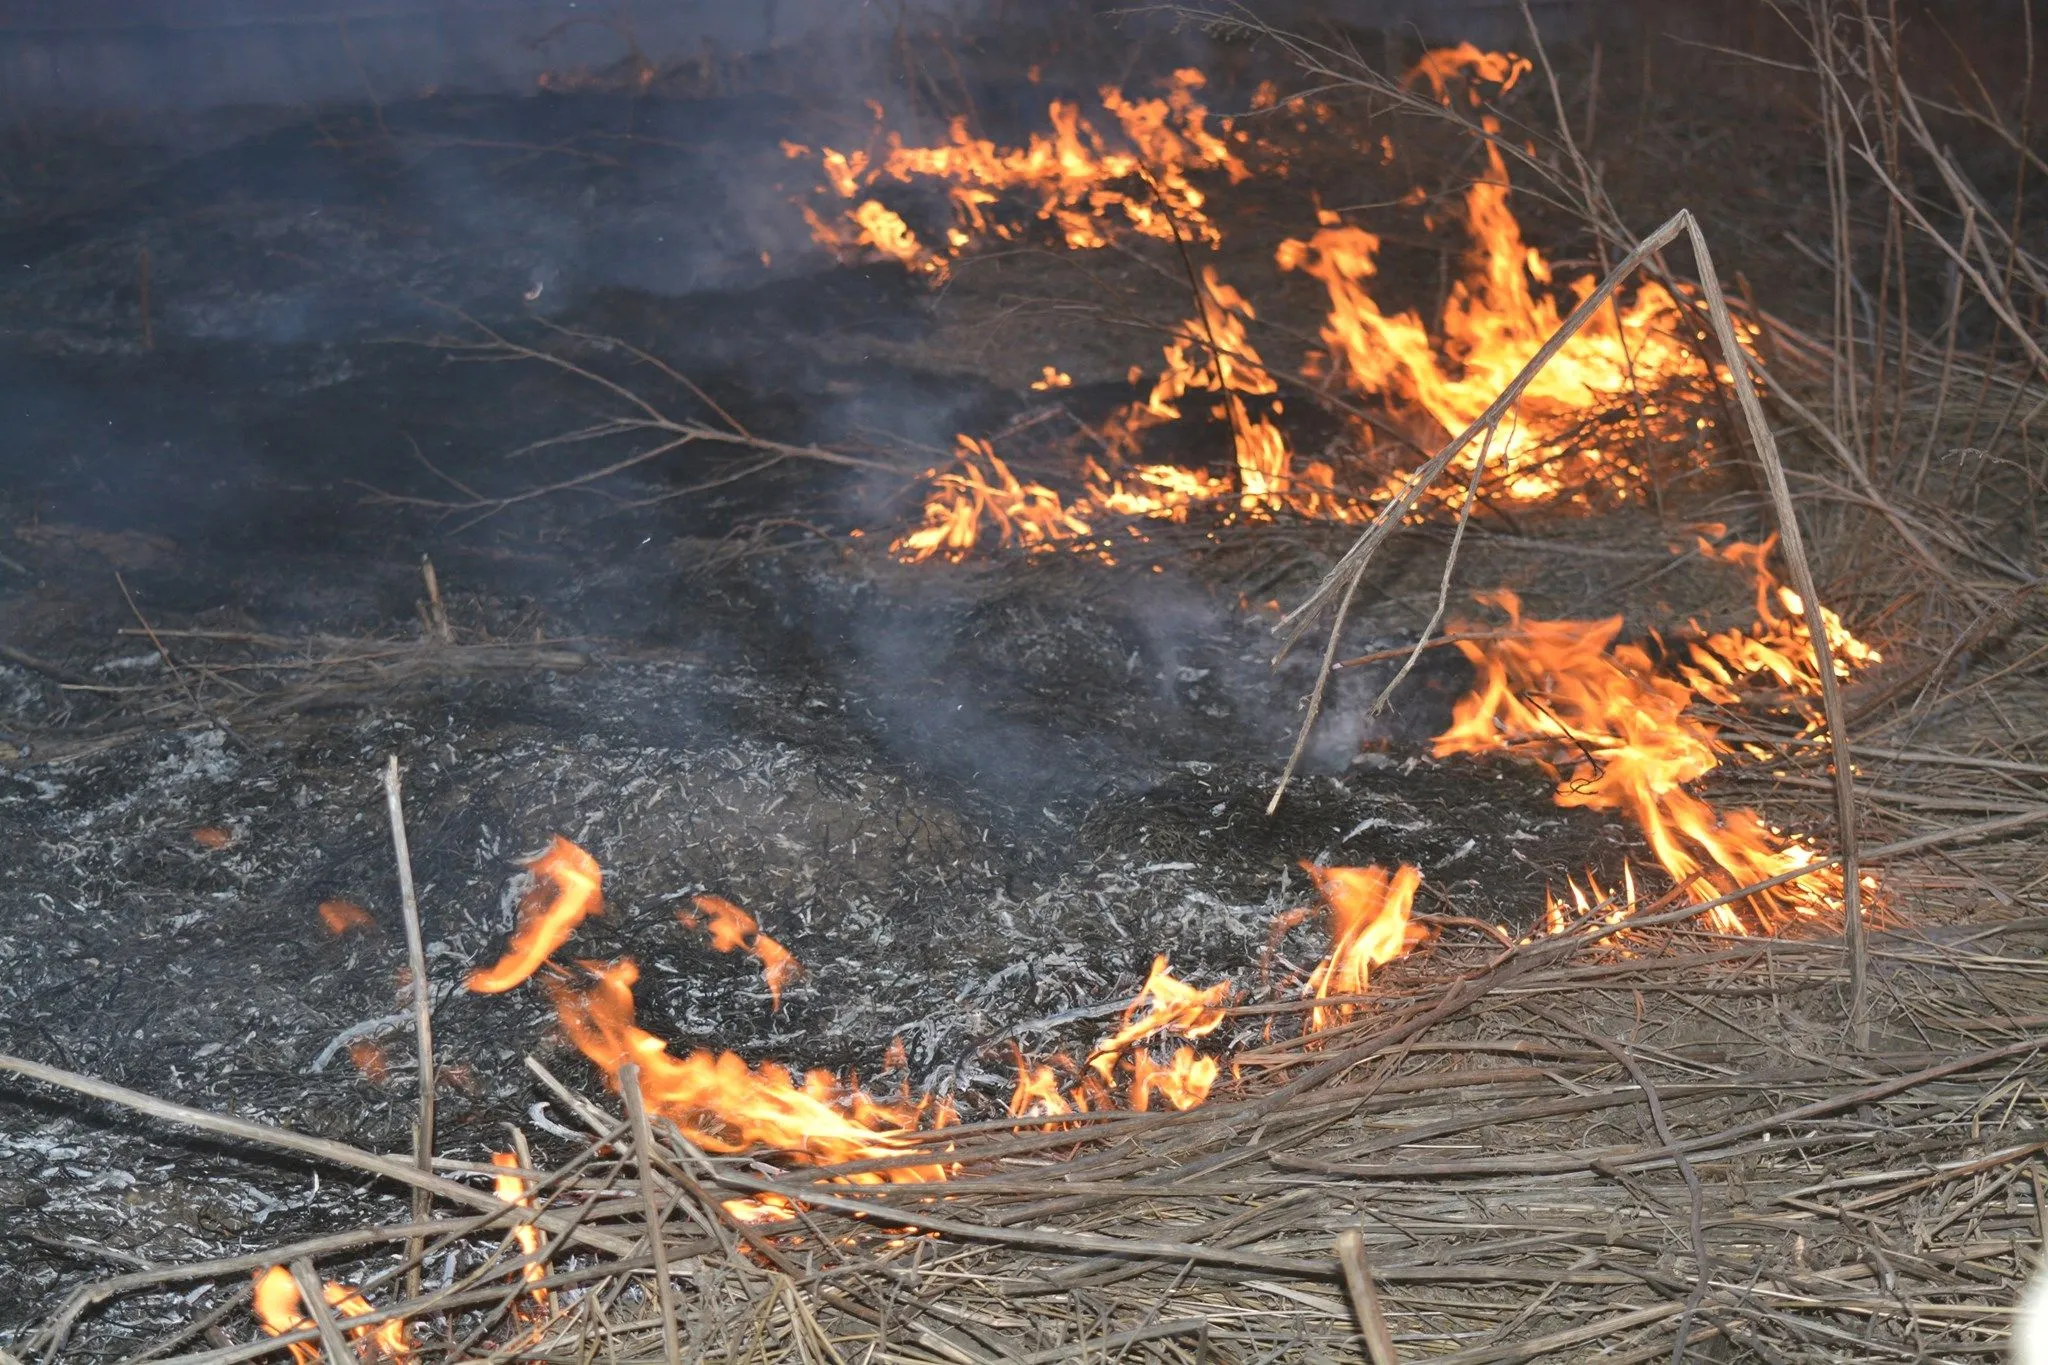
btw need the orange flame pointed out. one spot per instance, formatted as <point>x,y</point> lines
<point>721,1103</point>
<point>1369,927</point>
<point>1618,737</point>
<point>278,1304</point>
<point>566,891</point>
<point>1170,1005</point>
<point>731,929</point>
<point>1083,186</point>
<point>1777,646</point>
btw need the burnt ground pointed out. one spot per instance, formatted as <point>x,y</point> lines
<point>975,800</point>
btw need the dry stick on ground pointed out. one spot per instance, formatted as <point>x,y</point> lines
<point>643,1153</point>
<point>320,1149</point>
<point>422,1006</point>
<point>1365,1300</point>
<point>1443,588</point>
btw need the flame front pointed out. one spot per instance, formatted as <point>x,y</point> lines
<point>1082,185</point>
<point>279,1309</point>
<point>567,889</point>
<point>1493,322</point>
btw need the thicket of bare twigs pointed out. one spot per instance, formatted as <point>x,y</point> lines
<point>1624,1144</point>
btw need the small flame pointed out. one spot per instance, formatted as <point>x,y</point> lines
<point>566,890</point>
<point>1169,1005</point>
<point>279,1309</point>
<point>512,1189</point>
<point>1776,646</point>
<point>1369,927</point>
<point>1053,378</point>
<point>342,916</point>
<point>733,929</point>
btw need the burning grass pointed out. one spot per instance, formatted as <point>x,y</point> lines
<point>1633,1131</point>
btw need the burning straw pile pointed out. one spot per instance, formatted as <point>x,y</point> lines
<point>1758,1101</point>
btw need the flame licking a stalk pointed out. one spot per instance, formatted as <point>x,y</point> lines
<point>1617,736</point>
<point>733,929</point>
<point>1494,321</point>
<point>512,1189</point>
<point>279,1309</point>
<point>567,889</point>
<point>1369,927</point>
<point>723,1104</point>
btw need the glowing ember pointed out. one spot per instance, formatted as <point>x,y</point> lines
<point>1616,736</point>
<point>369,1060</point>
<point>566,889</point>
<point>279,1309</point>
<point>723,1104</point>
<point>1369,927</point>
<point>733,929</point>
<point>342,916</point>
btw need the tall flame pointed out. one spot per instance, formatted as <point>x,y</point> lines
<point>567,890</point>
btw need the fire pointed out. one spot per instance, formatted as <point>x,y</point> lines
<point>1085,189</point>
<point>1169,1005</point>
<point>512,1189</point>
<point>567,889</point>
<point>1777,646</point>
<point>723,1104</point>
<point>984,489</point>
<point>1617,736</point>
<point>1369,927</point>
<point>278,1307</point>
<point>731,929</point>
<point>342,916</point>
<point>1493,322</point>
